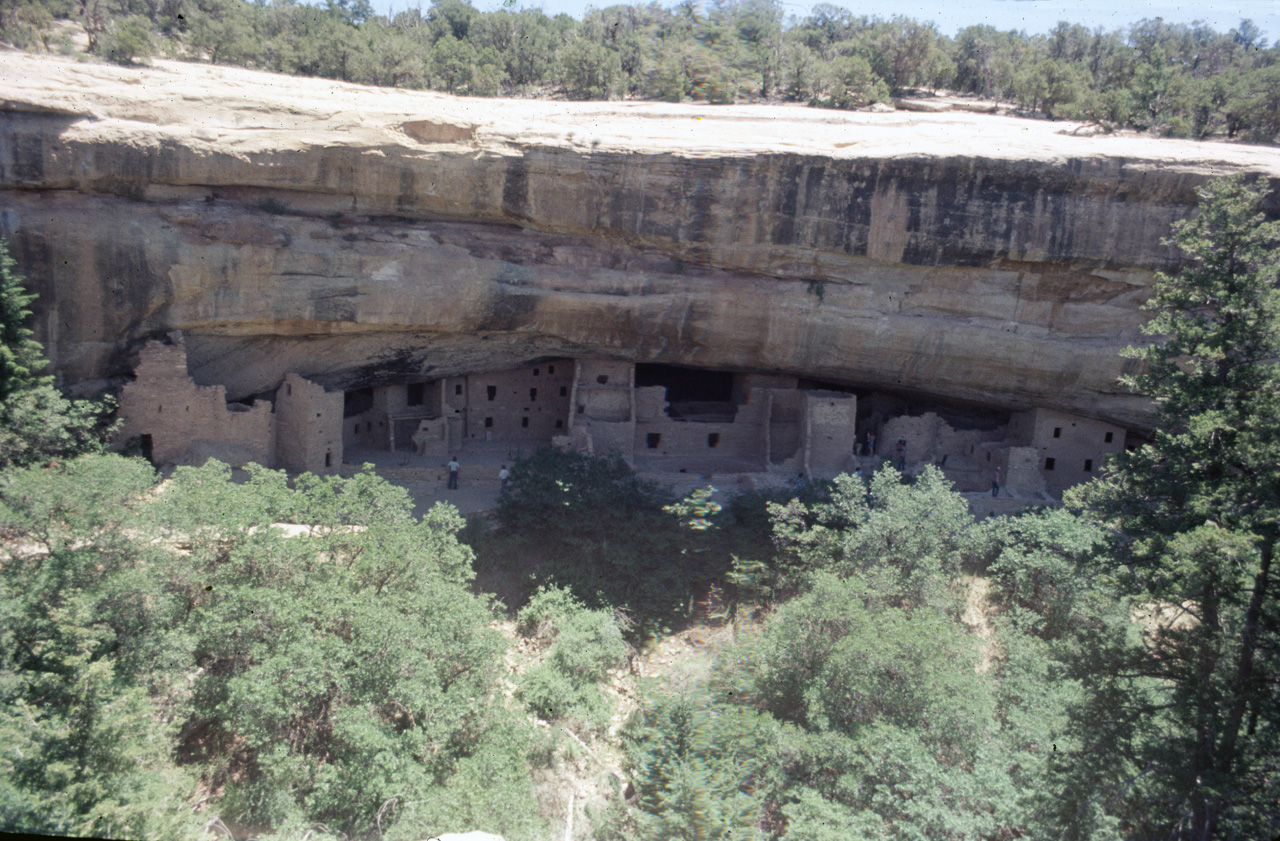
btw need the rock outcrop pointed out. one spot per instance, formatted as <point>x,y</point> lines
<point>355,236</point>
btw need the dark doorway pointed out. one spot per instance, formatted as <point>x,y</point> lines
<point>687,384</point>
<point>146,445</point>
<point>357,402</point>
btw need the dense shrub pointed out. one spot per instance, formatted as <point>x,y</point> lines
<point>580,646</point>
<point>343,676</point>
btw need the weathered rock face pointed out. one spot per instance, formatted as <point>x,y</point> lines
<point>357,235</point>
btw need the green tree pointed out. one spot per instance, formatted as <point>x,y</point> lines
<point>590,71</point>
<point>224,31</point>
<point>1199,511</point>
<point>36,422</point>
<point>87,746</point>
<point>908,540</point>
<point>348,664</point>
<point>314,649</point>
<point>21,356</point>
<point>847,81</point>
<point>127,39</point>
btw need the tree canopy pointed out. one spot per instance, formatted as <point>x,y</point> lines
<point>1197,515</point>
<point>1185,80</point>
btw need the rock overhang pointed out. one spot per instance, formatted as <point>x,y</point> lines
<point>356,235</point>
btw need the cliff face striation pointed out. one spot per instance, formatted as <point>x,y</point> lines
<point>356,236</point>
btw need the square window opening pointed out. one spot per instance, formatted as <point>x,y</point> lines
<point>713,439</point>
<point>1108,437</point>
<point>415,393</point>
<point>1057,432</point>
<point>1088,465</point>
<point>524,423</point>
<point>457,390</point>
<point>1048,464</point>
<point>492,391</point>
<point>488,423</point>
<point>533,394</point>
<point>652,440</point>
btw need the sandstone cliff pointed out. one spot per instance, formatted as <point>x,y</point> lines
<point>353,235</point>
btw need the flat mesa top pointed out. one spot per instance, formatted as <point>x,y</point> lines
<point>251,110</point>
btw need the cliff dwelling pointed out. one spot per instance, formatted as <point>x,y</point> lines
<point>659,418</point>
<point>754,297</point>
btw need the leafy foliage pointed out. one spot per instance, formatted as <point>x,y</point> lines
<point>908,540</point>
<point>1170,79</point>
<point>36,422</point>
<point>863,707</point>
<point>337,671</point>
<point>87,746</point>
<point>580,646</point>
<point>21,356</point>
<point>1199,508</point>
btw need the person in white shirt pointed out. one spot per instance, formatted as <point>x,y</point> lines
<point>503,475</point>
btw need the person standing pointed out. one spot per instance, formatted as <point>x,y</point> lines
<point>453,473</point>
<point>995,483</point>
<point>503,475</point>
<point>902,455</point>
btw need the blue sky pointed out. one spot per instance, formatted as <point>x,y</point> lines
<point>952,15</point>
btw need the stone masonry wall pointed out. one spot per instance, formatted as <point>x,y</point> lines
<point>164,403</point>
<point>526,404</point>
<point>1071,449</point>
<point>309,427</point>
<point>830,423</point>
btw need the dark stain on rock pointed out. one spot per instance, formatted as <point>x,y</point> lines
<point>702,218</point>
<point>126,283</point>
<point>335,308</point>
<point>515,189</point>
<point>508,311</point>
<point>813,190</point>
<point>407,190</point>
<point>784,230</point>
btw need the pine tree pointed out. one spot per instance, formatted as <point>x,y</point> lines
<point>21,356</point>
<point>1198,512</point>
<point>37,422</point>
